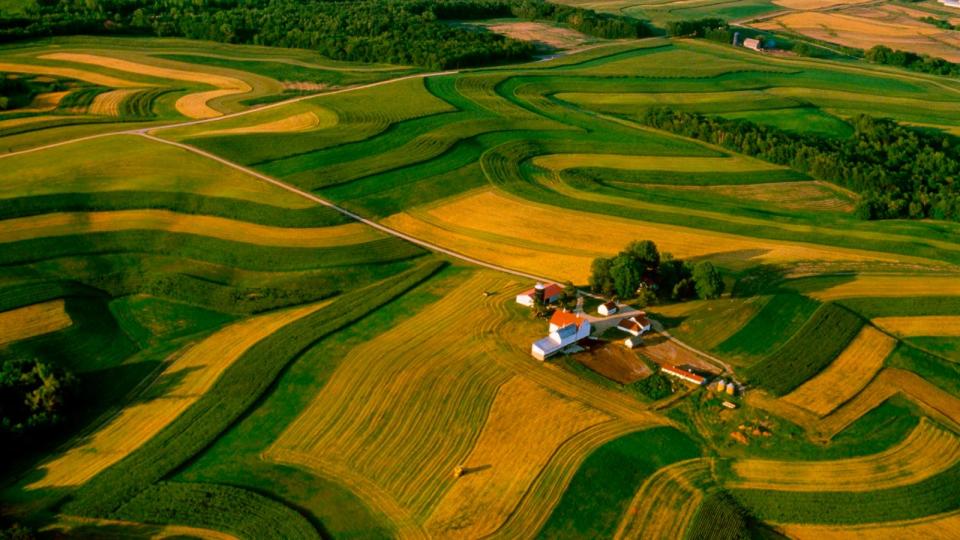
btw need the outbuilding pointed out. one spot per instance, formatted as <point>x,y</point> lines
<point>635,325</point>
<point>753,44</point>
<point>608,308</point>
<point>550,292</point>
<point>684,375</point>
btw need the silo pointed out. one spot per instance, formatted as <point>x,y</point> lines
<point>538,291</point>
<point>731,389</point>
<point>721,385</point>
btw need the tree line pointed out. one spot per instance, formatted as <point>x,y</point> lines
<point>899,171</point>
<point>922,63</point>
<point>641,271</point>
<point>407,32</point>
<point>34,400</point>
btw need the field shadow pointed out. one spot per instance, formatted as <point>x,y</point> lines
<point>478,468</point>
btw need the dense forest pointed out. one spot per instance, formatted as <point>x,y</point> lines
<point>900,172</point>
<point>408,32</point>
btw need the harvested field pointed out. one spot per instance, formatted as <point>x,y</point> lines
<point>932,325</point>
<point>292,124</point>
<point>928,451</point>
<point>13,230</point>
<point>667,502</point>
<point>35,320</point>
<point>78,527</point>
<point>847,374</point>
<point>886,286</point>
<point>402,410</point>
<point>665,351</point>
<point>91,77</point>
<point>508,231</point>
<point>108,103</point>
<point>192,105</point>
<point>689,164</point>
<point>794,195</point>
<point>182,382</point>
<point>937,526</point>
<point>539,33</point>
<point>480,501</point>
<point>45,102</point>
<point>863,28</point>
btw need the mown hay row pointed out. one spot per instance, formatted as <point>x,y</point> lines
<point>926,325</point>
<point>405,408</point>
<point>928,451</point>
<point>296,123</point>
<point>108,103</point>
<point>938,526</point>
<point>667,502</point>
<point>30,321</point>
<point>179,386</point>
<point>846,375</point>
<point>525,426</point>
<point>51,225</point>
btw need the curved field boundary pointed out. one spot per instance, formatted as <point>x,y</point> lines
<point>53,225</point>
<point>296,123</point>
<point>928,451</point>
<point>846,375</point>
<point>888,286</point>
<point>517,441</point>
<point>405,408</point>
<point>666,503</point>
<point>687,164</point>
<point>232,509</point>
<point>91,77</point>
<point>938,526</point>
<point>926,325</point>
<point>30,321</point>
<point>108,103</point>
<point>179,386</point>
<point>193,105</point>
<point>109,528</point>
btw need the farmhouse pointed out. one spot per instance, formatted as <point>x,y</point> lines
<point>635,325</point>
<point>753,43</point>
<point>608,308</point>
<point>549,293</point>
<point>565,329</point>
<point>684,375</point>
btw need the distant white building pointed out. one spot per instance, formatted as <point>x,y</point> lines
<point>551,293</point>
<point>633,342</point>
<point>608,308</point>
<point>951,3</point>
<point>565,329</point>
<point>753,44</point>
<point>684,375</point>
<point>636,325</point>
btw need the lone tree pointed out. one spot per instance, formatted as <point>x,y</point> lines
<point>709,283</point>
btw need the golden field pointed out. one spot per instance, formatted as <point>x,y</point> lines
<point>33,320</point>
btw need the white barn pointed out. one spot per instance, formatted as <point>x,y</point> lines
<point>608,308</point>
<point>753,44</point>
<point>636,325</point>
<point>565,330</point>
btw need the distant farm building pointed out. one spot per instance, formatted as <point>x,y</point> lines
<point>549,293</point>
<point>633,342</point>
<point>753,44</point>
<point>684,375</point>
<point>636,325</point>
<point>608,308</point>
<point>565,329</point>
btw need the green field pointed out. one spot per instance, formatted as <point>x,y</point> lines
<point>252,361</point>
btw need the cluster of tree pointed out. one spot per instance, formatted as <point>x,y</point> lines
<point>33,400</point>
<point>900,172</point>
<point>713,28</point>
<point>409,32</point>
<point>641,271</point>
<point>16,531</point>
<point>914,62</point>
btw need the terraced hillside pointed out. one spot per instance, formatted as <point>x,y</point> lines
<point>297,312</point>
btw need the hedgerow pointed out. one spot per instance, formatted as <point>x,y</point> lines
<point>810,350</point>
<point>237,390</point>
<point>237,511</point>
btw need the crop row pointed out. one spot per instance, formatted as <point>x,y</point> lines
<point>235,391</point>
<point>824,336</point>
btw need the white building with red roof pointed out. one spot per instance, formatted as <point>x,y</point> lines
<point>684,375</point>
<point>551,293</point>
<point>635,325</point>
<point>565,329</point>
